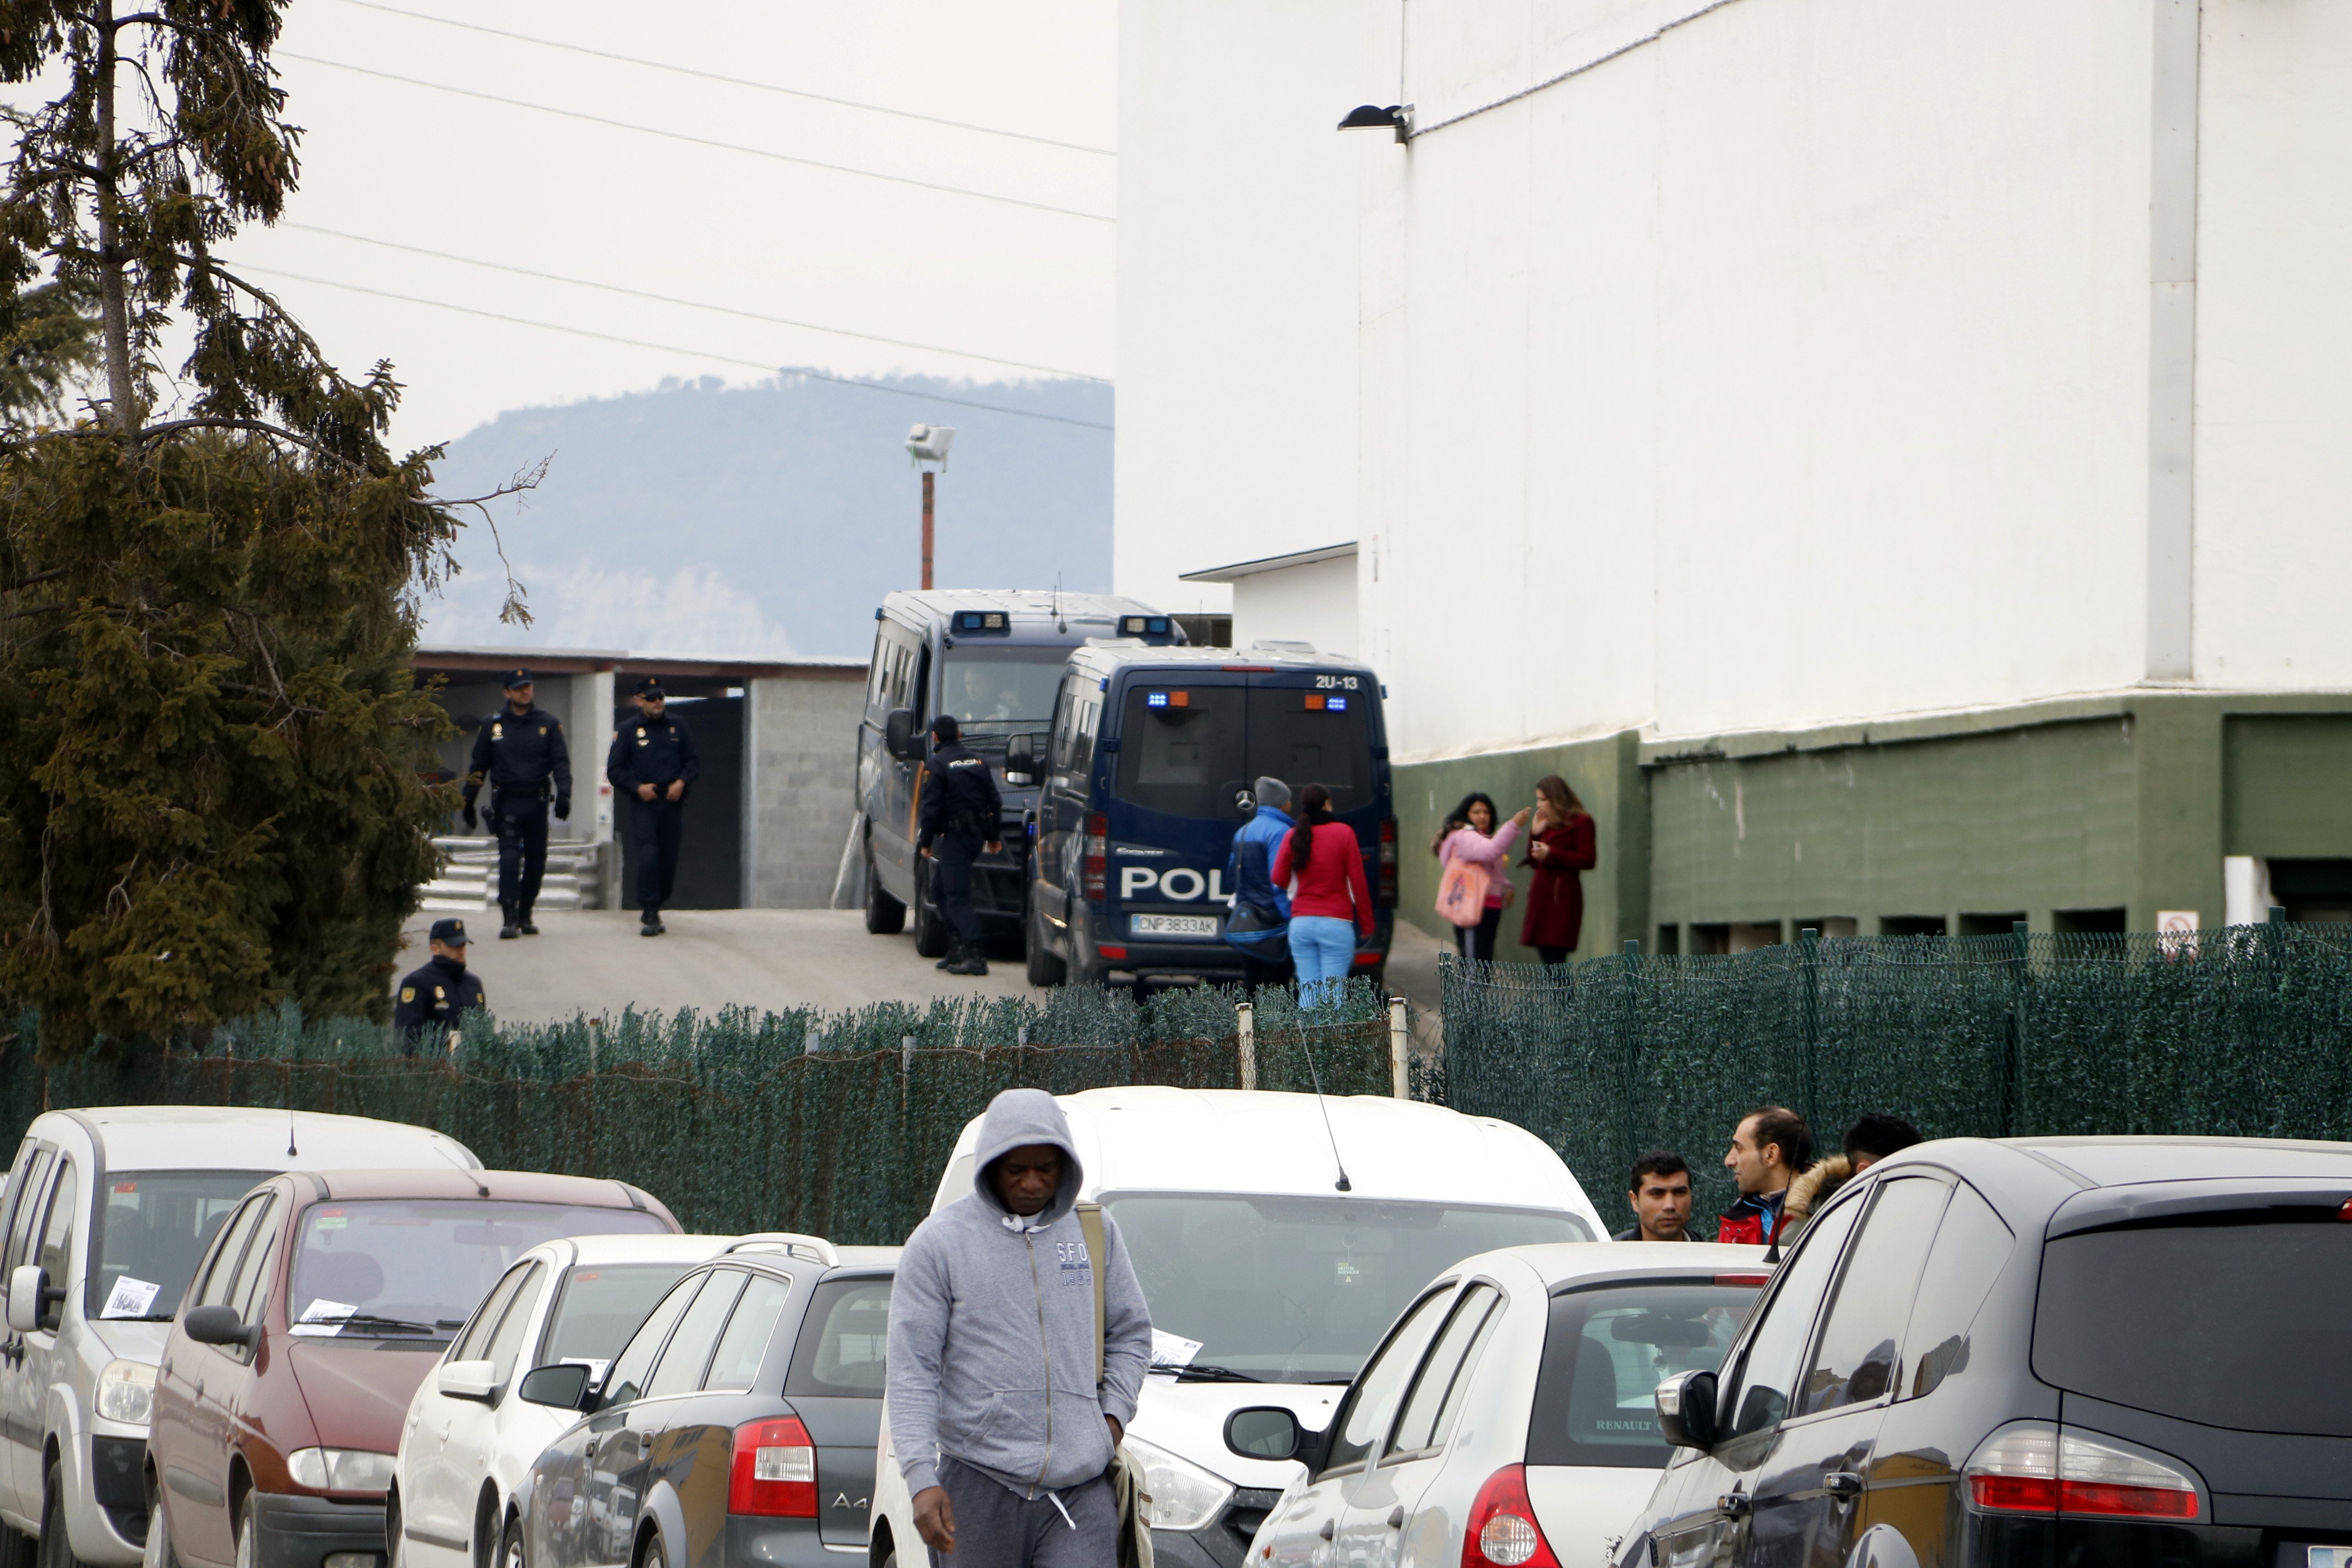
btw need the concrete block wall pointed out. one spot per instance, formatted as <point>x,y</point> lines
<point>800,767</point>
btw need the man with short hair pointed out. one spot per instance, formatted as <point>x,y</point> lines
<point>1001,1422</point>
<point>434,999</point>
<point>652,765</point>
<point>520,752</point>
<point>1769,1147</point>
<point>1876,1136</point>
<point>1660,1194</point>
<point>961,816</point>
<point>1257,927</point>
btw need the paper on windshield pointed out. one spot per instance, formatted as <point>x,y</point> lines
<point>131,1299</point>
<point>1172,1350</point>
<point>323,1317</point>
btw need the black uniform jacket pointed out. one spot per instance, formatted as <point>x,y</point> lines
<point>436,994</point>
<point>657,752</point>
<point>961,793</point>
<point>518,754</point>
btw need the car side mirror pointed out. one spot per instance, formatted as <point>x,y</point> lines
<point>476,1380</point>
<point>1022,765</point>
<point>898,733</point>
<point>27,1288</point>
<point>1686,1410</point>
<point>219,1325</point>
<point>1272,1431</point>
<point>561,1387</point>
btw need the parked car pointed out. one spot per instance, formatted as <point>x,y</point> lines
<point>322,1303</point>
<point>1507,1412</point>
<point>1269,1280</point>
<point>468,1441</point>
<point>738,1425</point>
<point>2054,1350</point>
<point>107,1211</point>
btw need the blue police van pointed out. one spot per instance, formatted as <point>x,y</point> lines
<point>994,658</point>
<point>1146,772</point>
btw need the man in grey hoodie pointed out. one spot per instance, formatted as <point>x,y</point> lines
<point>997,1420</point>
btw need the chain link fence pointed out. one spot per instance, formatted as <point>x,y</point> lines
<point>836,1124</point>
<point>2240,1032</point>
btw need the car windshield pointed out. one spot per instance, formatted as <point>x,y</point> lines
<point>602,1307</point>
<point>996,690</point>
<point>1606,1353</point>
<point>156,1227</point>
<point>1299,1289</point>
<point>399,1267</point>
<point>2238,1321</point>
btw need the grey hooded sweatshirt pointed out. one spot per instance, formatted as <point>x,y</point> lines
<point>990,1312</point>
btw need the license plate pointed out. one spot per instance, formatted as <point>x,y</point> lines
<point>1172,925</point>
<point>2329,1557</point>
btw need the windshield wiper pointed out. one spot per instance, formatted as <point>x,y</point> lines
<point>371,1320</point>
<point>1199,1372</point>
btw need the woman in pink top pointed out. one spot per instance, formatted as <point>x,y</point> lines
<point>1474,839</point>
<point>1332,905</point>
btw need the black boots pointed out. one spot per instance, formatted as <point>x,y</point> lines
<point>507,931</point>
<point>650,924</point>
<point>966,958</point>
<point>525,924</point>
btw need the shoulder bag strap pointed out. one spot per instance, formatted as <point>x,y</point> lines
<point>1090,1222</point>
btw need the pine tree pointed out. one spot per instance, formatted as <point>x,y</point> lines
<point>212,750</point>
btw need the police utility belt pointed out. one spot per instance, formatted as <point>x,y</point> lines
<point>500,793</point>
<point>978,823</point>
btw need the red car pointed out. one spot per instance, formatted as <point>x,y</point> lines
<point>319,1307</point>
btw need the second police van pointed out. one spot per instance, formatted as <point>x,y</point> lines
<point>1146,773</point>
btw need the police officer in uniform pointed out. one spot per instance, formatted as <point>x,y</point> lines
<point>960,815</point>
<point>652,765</point>
<point>519,750</point>
<point>432,999</point>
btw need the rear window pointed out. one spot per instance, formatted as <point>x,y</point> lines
<point>1604,1356</point>
<point>1304,737</point>
<point>842,1339</point>
<point>1180,749</point>
<point>2240,1321</point>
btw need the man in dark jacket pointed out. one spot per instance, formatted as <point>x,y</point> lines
<point>1771,1146</point>
<point>652,765</point>
<point>1261,913</point>
<point>520,752</point>
<point>1660,1196</point>
<point>961,816</point>
<point>433,998</point>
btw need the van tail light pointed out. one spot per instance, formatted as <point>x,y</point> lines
<point>2035,1468</point>
<point>774,1473</point>
<point>1501,1531</point>
<point>1386,893</point>
<point>1098,856</point>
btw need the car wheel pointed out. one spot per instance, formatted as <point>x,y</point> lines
<point>394,1537</point>
<point>55,1547</point>
<point>157,1553</point>
<point>248,1534</point>
<point>655,1557</point>
<point>18,1550</point>
<point>931,927</point>
<point>1045,966</point>
<point>885,916</point>
<point>511,1552</point>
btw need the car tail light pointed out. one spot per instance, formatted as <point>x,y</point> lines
<point>1502,1531</point>
<point>1387,893</point>
<point>774,1471</point>
<point>1110,952</point>
<point>1098,856</point>
<point>1366,959</point>
<point>2034,1467</point>
<point>2345,1212</point>
<point>1757,1281</point>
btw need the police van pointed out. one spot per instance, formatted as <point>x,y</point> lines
<point>994,658</point>
<point>1147,772</point>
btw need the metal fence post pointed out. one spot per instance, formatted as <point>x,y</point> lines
<point>1400,1051</point>
<point>1808,952</point>
<point>1246,1036</point>
<point>2014,1119</point>
<point>1632,1048</point>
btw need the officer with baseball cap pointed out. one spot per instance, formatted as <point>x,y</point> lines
<point>432,999</point>
<point>652,765</point>
<point>519,751</point>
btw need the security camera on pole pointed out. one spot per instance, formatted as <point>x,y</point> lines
<point>927,444</point>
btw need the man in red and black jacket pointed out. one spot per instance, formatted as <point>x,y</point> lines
<point>1771,1145</point>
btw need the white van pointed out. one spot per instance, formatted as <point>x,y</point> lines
<point>1270,1276</point>
<point>106,1212</point>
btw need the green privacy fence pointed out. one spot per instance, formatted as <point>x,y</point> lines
<point>2240,1032</point>
<point>833,1124</point>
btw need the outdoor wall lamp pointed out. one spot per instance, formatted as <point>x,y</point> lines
<point>1397,117</point>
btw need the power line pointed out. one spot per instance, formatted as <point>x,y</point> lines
<point>730,80</point>
<point>675,349</point>
<point>690,304</point>
<point>695,141</point>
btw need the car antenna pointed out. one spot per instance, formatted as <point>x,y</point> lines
<point>1061,626</point>
<point>291,1153</point>
<point>479,1185</point>
<point>1342,1185</point>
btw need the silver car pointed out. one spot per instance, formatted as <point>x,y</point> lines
<point>106,1215</point>
<point>1507,1419</point>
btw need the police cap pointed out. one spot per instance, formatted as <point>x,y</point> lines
<point>450,932</point>
<point>515,677</point>
<point>649,686</point>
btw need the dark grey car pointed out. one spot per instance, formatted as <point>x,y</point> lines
<point>738,1425</point>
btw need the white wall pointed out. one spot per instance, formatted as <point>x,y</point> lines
<point>1237,285</point>
<point>1313,603</point>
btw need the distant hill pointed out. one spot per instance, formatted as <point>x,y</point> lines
<point>770,520</point>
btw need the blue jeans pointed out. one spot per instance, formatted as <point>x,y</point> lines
<point>1322,948</point>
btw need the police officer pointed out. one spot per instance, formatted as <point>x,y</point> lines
<point>432,999</point>
<point>519,750</point>
<point>652,765</point>
<point>960,815</point>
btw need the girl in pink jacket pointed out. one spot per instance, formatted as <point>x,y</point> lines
<point>1471,837</point>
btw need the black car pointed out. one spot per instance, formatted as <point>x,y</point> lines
<point>2060,1352</point>
<point>738,1425</point>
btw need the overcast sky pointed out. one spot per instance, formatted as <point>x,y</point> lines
<point>388,161</point>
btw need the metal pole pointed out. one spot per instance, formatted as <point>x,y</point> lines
<point>927,527</point>
<point>1399,1057</point>
<point>1245,1031</point>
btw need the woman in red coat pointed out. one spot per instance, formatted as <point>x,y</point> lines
<point>1561,846</point>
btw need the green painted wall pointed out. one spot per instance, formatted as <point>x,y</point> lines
<point>2288,785</point>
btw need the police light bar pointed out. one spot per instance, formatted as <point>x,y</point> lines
<point>1336,704</point>
<point>1168,700</point>
<point>1318,701</point>
<point>982,621</point>
<point>1146,626</point>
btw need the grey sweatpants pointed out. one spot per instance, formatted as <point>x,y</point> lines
<point>996,1527</point>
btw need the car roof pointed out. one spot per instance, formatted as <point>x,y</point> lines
<point>495,1186</point>
<point>237,1138</point>
<point>591,1251</point>
<point>2116,1162</point>
<point>1104,657</point>
<point>1030,608</point>
<point>1575,1263</point>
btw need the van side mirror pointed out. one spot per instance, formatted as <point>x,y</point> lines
<point>1686,1410</point>
<point>1272,1431</point>
<point>898,733</point>
<point>27,1286</point>
<point>1024,759</point>
<point>561,1387</point>
<point>219,1325</point>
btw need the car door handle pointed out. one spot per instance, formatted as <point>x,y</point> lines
<point>1326,1531</point>
<point>1733,1505</point>
<point>1396,1517</point>
<point>1841,1484</point>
